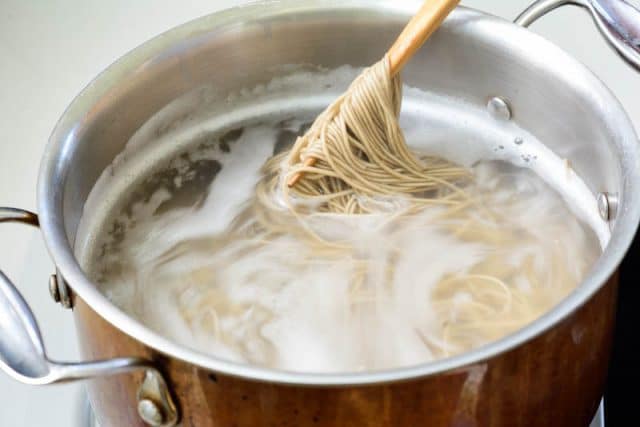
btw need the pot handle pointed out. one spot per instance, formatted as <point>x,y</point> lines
<point>617,20</point>
<point>23,356</point>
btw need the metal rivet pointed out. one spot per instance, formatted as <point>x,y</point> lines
<point>499,108</point>
<point>607,205</point>
<point>53,288</point>
<point>155,404</point>
<point>59,291</point>
<point>150,413</point>
<point>603,206</point>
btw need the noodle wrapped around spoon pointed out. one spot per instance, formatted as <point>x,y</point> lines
<point>360,152</point>
<point>423,24</point>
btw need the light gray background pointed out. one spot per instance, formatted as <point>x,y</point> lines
<point>50,49</point>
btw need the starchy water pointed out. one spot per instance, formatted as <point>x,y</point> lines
<point>186,253</point>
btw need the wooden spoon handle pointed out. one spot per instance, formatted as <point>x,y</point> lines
<point>418,30</point>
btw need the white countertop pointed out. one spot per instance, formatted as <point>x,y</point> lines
<point>51,49</point>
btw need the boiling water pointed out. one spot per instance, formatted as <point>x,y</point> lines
<point>388,290</point>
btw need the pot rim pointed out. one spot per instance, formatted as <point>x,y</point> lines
<point>56,162</point>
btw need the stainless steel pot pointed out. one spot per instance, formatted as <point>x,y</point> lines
<point>551,371</point>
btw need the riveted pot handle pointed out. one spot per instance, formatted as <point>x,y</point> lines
<point>23,356</point>
<point>617,20</point>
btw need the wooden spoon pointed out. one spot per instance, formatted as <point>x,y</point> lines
<point>415,33</point>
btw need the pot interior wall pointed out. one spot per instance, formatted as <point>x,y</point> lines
<point>471,58</point>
